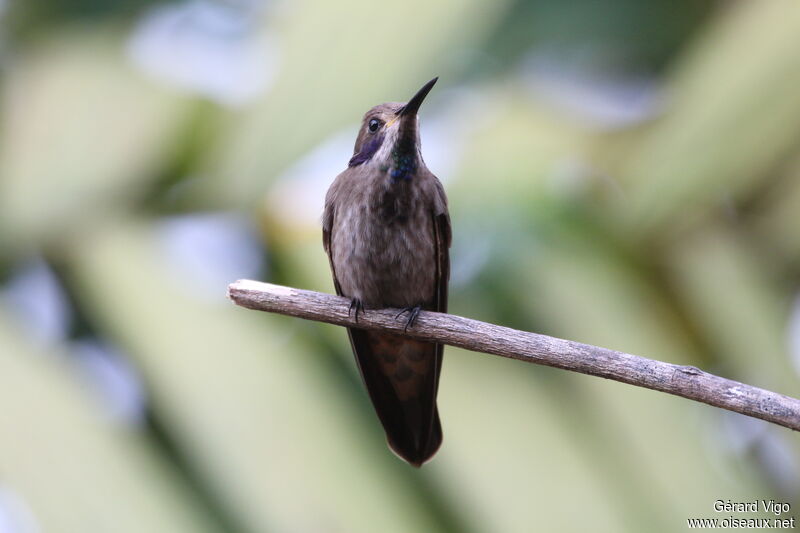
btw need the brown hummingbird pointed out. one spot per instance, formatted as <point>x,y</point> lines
<point>386,231</point>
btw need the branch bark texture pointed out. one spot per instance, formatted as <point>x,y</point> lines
<point>686,381</point>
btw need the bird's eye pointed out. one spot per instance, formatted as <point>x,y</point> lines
<point>374,124</point>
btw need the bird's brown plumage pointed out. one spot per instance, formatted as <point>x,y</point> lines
<point>387,240</point>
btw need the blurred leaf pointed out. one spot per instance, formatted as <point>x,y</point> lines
<point>614,35</point>
<point>733,112</point>
<point>81,135</point>
<point>741,310</point>
<point>522,161</point>
<point>777,217</point>
<point>74,467</point>
<point>584,292</point>
<point>507,450</point>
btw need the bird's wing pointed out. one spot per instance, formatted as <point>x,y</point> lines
<point>441,230</point>
<point>327,229</point>
<point>442,236</point>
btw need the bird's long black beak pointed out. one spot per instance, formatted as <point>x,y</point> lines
<point>412,106</point>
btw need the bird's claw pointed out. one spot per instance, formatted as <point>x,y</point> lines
<point>356,304</point>
<point>413,313</point>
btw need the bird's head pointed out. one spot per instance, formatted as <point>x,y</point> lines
<point>389,137</point>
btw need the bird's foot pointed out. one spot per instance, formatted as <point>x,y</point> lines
<point>413,313</point>
<point>357,305</point>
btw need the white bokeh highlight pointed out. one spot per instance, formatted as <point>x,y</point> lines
<point>213,49</point>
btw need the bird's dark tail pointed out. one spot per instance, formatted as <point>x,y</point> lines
<point>402,378</point>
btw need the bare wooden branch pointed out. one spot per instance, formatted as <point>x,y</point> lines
<point>686,381</point>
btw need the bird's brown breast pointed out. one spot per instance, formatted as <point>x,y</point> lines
<point>382,244</point>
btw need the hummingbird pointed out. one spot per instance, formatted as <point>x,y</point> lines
<point>386,230</point>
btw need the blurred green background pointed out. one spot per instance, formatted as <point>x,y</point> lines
<point>620,173</point>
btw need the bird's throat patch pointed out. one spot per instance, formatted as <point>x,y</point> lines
<point>367,151</point>
<point>404,159</point>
